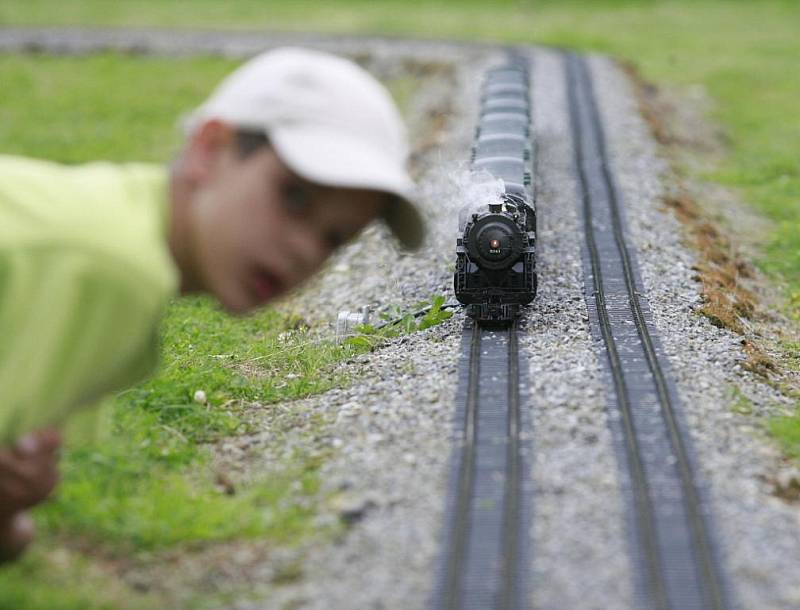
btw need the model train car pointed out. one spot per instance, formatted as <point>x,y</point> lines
<point>496,245</point>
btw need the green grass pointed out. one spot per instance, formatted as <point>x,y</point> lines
<point>124,504</point>
<point>100,107</point>
<point>149,485</point>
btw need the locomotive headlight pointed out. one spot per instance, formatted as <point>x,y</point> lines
<point>494,242</point>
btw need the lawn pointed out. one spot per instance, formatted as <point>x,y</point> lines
<point>741,54</point>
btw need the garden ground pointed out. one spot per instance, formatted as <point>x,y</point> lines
<point>706,56</point>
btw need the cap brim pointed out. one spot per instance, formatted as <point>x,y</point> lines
<point>327,156</point>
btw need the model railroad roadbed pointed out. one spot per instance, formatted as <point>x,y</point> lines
<point>671,538</point>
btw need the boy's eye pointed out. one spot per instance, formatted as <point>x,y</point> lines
<point>296,198</point>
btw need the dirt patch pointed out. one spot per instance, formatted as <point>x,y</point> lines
<point>735,296</point>
<point>722,271</point>
<point>729,283</point>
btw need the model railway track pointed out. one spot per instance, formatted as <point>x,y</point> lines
<point>484,559</point>
<point>673,547</point>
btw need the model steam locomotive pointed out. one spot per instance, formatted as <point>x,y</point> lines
<point>496,245</point>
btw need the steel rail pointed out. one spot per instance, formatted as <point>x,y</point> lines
<point>678,566</point>
<point>484,550</point>
<point>513,501</point>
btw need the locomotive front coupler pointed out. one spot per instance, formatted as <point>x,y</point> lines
<point>493,315</point>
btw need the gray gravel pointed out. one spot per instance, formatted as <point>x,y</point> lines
<point>390,431</point>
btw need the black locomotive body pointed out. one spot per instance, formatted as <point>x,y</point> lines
<point>496,245</point>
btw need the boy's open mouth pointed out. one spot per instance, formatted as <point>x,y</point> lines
<point>266,286</point>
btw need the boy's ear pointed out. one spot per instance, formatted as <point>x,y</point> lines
<point>206,148</point>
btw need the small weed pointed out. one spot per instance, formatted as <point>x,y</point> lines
<point>740,404</point>
<point>435,315</point>
<point>399,321</point>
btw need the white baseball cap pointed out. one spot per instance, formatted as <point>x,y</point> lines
<point>329,120</point>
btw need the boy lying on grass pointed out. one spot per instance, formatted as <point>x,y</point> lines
<point>290,157</point>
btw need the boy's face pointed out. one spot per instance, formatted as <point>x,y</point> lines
<point>257,230</point>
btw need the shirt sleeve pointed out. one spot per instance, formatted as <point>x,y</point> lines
<point>75,325</point>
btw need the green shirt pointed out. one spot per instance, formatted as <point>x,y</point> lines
<point>85,275</point>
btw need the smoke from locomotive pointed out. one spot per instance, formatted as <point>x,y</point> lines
<point>496,245</point>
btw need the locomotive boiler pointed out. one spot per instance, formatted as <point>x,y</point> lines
<point>496,244</point>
